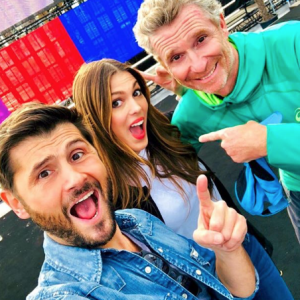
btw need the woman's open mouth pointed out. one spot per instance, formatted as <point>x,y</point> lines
<point>137,129</point>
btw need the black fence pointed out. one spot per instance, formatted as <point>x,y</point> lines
<point>250,15</point>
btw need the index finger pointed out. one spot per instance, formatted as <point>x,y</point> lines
<point>203,193</point>
<point>212,136</point>
<point>147,76</point>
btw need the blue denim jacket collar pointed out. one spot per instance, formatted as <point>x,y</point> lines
<point>61,257</point>
<point>64,264</point>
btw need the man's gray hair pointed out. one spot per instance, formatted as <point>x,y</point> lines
<point>154,14</point>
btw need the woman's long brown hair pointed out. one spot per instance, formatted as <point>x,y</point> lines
<point>92,96</point>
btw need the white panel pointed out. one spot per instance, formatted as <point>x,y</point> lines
<point>14,11</point>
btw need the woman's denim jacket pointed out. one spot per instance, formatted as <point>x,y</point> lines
<point>72,273</point>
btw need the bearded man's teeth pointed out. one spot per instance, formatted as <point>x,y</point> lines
<point>96,214</point>
<point>85,197</point>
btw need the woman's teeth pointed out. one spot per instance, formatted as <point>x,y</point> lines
<point>137,124</point>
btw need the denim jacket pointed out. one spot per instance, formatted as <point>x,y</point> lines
<point>71,273</point>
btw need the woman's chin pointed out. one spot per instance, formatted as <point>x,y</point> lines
<point>139,145</point>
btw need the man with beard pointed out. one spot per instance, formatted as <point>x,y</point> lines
<point>225,81</point>
<point>50,172</point>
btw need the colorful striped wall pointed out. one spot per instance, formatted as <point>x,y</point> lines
<point>41,66</point>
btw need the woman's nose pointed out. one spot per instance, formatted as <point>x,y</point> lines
<point>134,106</point>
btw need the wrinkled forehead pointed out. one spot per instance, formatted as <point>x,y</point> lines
<point>191,20</point>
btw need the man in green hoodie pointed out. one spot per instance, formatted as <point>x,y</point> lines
<point>229,83</point>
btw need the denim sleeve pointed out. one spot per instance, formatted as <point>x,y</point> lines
<point>105,296</point>
<point>69,297</point>
<point>99,293</point>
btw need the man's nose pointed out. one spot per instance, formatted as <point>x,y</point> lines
<point>197,62</point>
<point>73,178</point>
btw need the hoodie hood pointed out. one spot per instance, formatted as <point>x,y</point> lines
<point>251,50</point>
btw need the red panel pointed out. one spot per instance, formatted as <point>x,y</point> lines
<point>39,67</point>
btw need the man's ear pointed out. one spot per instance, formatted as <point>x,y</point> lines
<point>223,25</point>
<point>15,204</point>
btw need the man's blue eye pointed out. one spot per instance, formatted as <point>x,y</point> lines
<point>44,174</point>
<point>201,39</point>
<point>176,57</point>
<point>77,155</point>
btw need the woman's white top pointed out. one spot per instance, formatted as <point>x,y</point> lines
<point>180,213</point>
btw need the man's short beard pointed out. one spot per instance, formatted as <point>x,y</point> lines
<point>61,226</point>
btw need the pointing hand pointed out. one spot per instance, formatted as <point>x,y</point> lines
<point>220,227</point>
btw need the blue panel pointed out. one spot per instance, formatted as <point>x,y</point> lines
<point>103,29</point>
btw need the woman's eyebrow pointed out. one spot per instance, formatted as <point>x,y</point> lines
<point>135,83</point>
<point>122,92</point>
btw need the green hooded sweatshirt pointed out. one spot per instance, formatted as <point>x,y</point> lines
<point>268,80</point>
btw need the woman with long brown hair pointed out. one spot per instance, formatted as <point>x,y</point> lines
<point>140,147</point>
<point>138,144</point>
